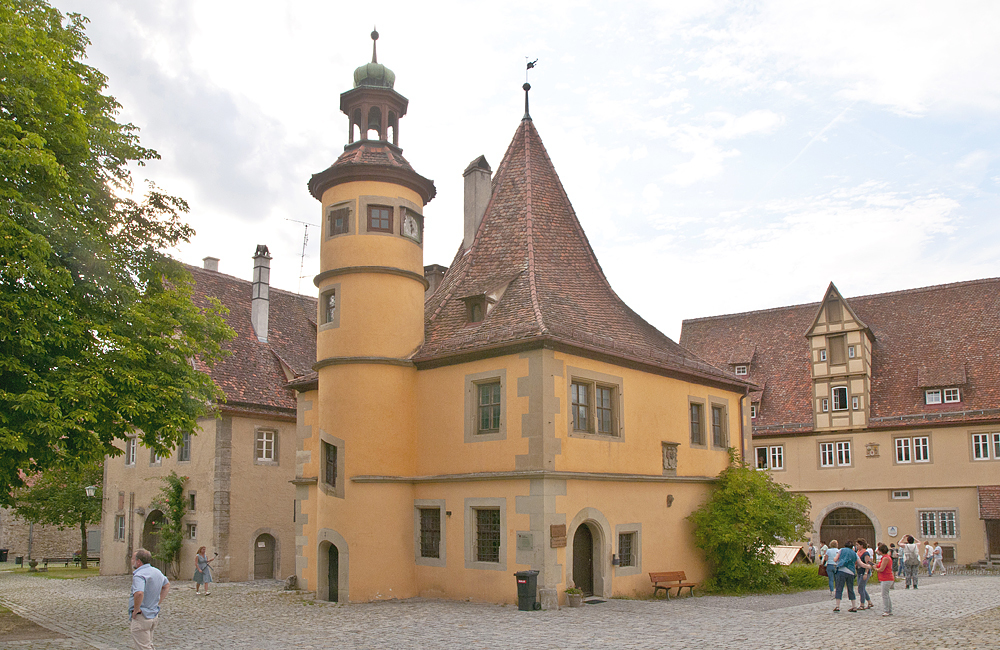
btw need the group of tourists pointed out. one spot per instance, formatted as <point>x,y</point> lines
<point>857,561</point>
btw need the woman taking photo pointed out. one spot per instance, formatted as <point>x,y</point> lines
<point>202,571</point>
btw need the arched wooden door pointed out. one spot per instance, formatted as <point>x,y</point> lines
<point>263,557</point>
<point>333,573</point>
<point>583,559</point>
<point>847,524</point>
<point>151,537</point>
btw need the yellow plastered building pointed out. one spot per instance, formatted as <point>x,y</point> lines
<point>511,415</point>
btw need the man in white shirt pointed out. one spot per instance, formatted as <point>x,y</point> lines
<point>929,558</point>
<point>938,557</point>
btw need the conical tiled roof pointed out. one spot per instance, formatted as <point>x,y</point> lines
<point>531,252</point>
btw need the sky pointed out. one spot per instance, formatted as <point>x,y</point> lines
<point>722,156</point>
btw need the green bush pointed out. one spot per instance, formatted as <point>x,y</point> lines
<point>803,577</point>
<point>747,514</point>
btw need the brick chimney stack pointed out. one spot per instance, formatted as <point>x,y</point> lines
<point>478,190</point>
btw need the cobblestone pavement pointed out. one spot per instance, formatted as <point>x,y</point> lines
<point>946,612</point>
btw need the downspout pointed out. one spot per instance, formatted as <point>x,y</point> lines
<point>743,456</point>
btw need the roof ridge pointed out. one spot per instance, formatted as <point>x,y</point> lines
<point>898,292</point>
<point>271,288</point>
<point>529,234</point>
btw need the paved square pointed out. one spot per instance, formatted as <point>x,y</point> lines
<point>946,612</point>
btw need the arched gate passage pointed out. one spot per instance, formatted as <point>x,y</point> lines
<point>847,524</point>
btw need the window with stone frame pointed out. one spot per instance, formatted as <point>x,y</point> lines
<point>184,451</point>
<point>192,531</point>
<point>771,457</point>
<point>379,218</point>
<point>626,549</point>
<point>131,446</point>
<point>981,446</point>
<point>330,464</point>
<point>939,523</point>
<point>430,532</point>
<point>835,454</point>
<point>488,407</point>
<point>119,528</point>
<point>329,306</point>
<point>719,426</point>
<point>338,220</point>
<point>593,407</point>
<point>266,446</point>
<point>487,541</point>
<point>696,414</point>
<point>839,395</point>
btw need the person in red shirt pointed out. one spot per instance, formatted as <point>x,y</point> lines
<point>886,579</point>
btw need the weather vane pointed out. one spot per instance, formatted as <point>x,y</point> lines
<point>529,66</point>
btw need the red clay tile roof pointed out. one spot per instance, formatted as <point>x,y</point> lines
<point>253,377</point>
<point>531,246</point>
<point>367,159</point>
<point>937,329</point>
<point>989,501</point>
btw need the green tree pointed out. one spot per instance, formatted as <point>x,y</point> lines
<point>97,325</point>
<point>747,514</point>
<point>170,501</point>
<point>59,498</point>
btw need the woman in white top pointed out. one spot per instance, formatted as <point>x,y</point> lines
<point>910,549</point>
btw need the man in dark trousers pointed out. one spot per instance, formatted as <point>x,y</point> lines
<point>149,588</point>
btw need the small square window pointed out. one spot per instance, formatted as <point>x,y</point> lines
<point>825,405</point>
<point>154,457</point>
<point>192,531</point>
<point>379,218</point>
<point>854,403</point>
<point>932,396</point>
<point>952,395</point>
<point>753,411</point>
<point>900,494</point>
<point>338,220</point>
<point>822,355</point>
<point>741,370</point>
<point>475,308</point>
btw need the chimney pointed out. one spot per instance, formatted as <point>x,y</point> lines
<point>261,283</point>
<point>434,273</point>
<point>477,195</point>
<point>211,263</point>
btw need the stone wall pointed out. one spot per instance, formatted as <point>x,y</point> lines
<point>47,541</point>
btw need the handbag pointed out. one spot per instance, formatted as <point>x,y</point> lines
<point>822,570</point>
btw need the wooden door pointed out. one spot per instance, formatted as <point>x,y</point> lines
<point>846,525</point>
<point>993,537</point>
<point>263,557</point>
<point>583,560</point>
<point>333,573</point>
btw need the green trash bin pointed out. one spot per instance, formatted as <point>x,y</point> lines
<point>527,590</point>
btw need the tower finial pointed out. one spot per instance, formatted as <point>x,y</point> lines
<point>526,87</point>
<point>374,38</point>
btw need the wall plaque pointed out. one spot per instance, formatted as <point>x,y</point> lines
<point>557,536</point>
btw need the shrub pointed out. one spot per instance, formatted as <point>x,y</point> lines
<point>803,577</point>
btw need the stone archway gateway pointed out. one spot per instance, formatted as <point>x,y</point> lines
<point>151,537</point>
<point>847,524</point>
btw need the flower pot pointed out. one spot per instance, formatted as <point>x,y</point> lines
<point>574,600</point>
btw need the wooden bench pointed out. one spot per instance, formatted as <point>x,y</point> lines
<point>66,560</point>
<point>667,580</point>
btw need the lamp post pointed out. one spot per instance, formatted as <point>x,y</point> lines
<point>91,491</point>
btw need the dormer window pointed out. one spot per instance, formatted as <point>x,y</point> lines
<point>952,395</point>
<point>753,411</point>
<point>939,395</point>
<point>742,370</point>
<point>932,396</point>
<point>475,308</point>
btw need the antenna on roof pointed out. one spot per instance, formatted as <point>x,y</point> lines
<point>305,240</point>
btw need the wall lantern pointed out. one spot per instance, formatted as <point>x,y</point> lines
<point>91,490</point>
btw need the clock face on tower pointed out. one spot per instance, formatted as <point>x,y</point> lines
<point>410,226</point>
